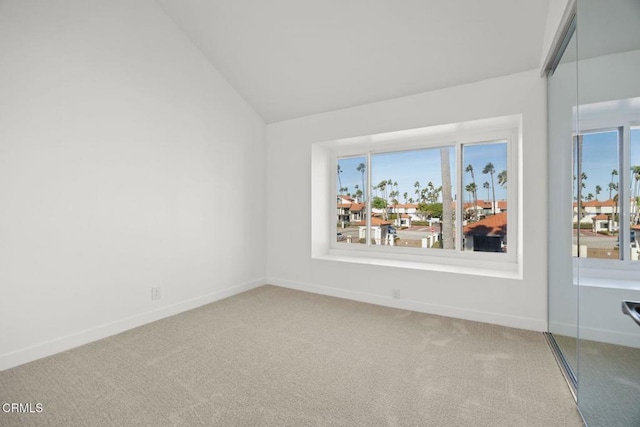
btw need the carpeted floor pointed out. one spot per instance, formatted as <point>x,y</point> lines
<point>608,381</point>
<point>274,356</point>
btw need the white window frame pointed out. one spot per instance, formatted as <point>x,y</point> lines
<point>621,115</point>
<point>326,155</point>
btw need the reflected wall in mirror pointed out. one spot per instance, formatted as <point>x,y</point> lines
<point>608,111</point>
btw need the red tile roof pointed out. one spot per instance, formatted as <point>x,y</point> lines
<point>483,204</point>
<point>354,207</point>
<point>601,216</point>
<point>374,221</point>
<point>597,203</point>
<point>491,225</point>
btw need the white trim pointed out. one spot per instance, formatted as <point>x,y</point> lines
<point>617,115</point>
<point>490,130</point>
<point>609,336</point>
<point>447,265</point>
<point>60,344</point>
<point>594,334</point>
<point>562,328</point>
<point>418,306</point>
<point>563,31</point>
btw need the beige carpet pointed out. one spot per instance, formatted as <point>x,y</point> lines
<point>278,357</point>
<point>608,382</point>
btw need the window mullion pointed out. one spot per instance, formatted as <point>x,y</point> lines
<point>459,210</point>
<point>368,206</point>
<point>624,193</point>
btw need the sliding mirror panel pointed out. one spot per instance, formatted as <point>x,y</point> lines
<point>562,236</point>
<point>607,180</point>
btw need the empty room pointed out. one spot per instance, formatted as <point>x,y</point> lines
<point>319,213</point>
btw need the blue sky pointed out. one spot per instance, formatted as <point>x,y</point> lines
<point>600,157</point>
<point>407,167</point>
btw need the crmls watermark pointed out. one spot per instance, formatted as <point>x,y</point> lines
<point>23,408</point>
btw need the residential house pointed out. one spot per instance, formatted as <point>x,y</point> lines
<point>487,235</point>
<point>600,214</point>
<point>379,229</point>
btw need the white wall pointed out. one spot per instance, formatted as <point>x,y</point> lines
<point>123,157</point>
<point>606,78</point>
<point>520,303</point>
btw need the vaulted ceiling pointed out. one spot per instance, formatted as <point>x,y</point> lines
<point>291,58</point>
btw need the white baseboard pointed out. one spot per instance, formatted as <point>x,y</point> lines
<point>566,329</point>
<point>610,337</point>
<point>57,345</point>
<point>538,325</point>
<point>596,334</point>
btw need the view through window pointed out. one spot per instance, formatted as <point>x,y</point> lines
<point>600,200</point>
<point>413,201</point>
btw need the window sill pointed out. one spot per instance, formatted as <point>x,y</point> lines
<point>624,277</point>
<point>505,270</point>
<point>599,282</point>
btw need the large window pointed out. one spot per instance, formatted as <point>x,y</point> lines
<point>443,194</point>
<point>605,206</point>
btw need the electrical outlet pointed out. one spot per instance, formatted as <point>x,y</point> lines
<point>155,292</point>
<point>395,294</point>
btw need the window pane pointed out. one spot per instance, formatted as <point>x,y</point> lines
<point>635,194</point>
<point>409,190</point>
<point>596,208</point>
<point>351,183</point>
<point>485,197</point>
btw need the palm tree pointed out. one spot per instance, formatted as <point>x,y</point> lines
<point>417,187</point>
<point>383,194</point>
<point>491,170</point>
<point>470,188</point>
<point>502,178</point>
<point>339,180</point>
<point>615,214</point>
<point>578,140</point>
<point>612,183</point>
<point>361,168</point>
<point>487,186</point>
<point>405,195</point>
<point>583,186</point>
<point>598,191</point>
<point>467,188</point>
<point>469,169</point>
<point>390,186</point>
<point>635,170</point>
<point>394,201</point>
<point>448,241</point>
<point>612,187</point>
